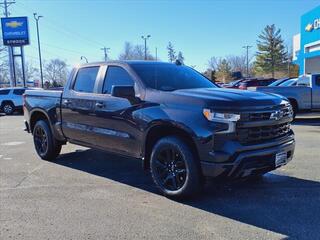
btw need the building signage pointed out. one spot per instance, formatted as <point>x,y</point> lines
<point>313,26</point>
<point>15,31</point>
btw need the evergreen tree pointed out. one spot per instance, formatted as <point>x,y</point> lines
<point>271,55</point>
<point>180,57</point>
<point>171,52</point>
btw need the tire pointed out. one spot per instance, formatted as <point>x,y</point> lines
<point>255,178</point>
<point>8,108</point>
<point>47,147</point>
<point>174,168</point>
<point>294,108</point>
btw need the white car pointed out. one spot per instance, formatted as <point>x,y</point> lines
<point>11,99</point>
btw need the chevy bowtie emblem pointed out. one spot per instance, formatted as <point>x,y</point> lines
<point>309,27</point>
<point>276,115</point>
<point>14,24</point>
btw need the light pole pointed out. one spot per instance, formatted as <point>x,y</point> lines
<point>83,57</point>
<point>105,50</point>
<point>37,17</point>
<point>247,47</point>
<point>145,45</point>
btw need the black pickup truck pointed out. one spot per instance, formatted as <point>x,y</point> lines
<point>183,127</point>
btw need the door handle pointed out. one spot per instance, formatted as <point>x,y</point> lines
<point>66,101</point>
<point>99,105</point>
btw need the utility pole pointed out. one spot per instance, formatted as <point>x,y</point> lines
<point>145,45</point>
<point>105,51</point>
<point>289,61</point>
<point>37,17</point>
<point>6,4</point>
<point>247,48</point>
<point>156,54</point>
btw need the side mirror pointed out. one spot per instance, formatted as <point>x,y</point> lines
<point>123,92</point>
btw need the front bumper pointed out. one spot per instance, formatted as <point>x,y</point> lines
<point>249,162</point>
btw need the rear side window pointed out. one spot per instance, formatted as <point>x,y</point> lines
<point>19,91</point>
<point>318,80</point>
<point>4,92</point>
<point>86,79</point>
<point>116,76</point>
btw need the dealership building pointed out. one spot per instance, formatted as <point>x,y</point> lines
<point>306,44</point>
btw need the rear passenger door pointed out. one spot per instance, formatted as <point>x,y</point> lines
<point>78,106</point>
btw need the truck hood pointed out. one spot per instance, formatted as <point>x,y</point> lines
<point>222,98</point>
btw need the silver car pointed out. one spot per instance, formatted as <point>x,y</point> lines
<point>11,99</point>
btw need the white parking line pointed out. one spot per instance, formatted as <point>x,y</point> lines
<point>12,143</point>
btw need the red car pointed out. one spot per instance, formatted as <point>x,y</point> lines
<point>255,83</point>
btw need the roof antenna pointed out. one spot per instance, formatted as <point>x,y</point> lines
<point>178,62</point>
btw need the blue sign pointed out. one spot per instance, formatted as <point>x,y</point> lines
<point>15,31</point>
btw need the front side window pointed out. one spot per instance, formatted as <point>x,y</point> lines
<point>86,79</point>
<point>4,92</point>
<point>304,81</point>
<point>19,91</point>
<point>170,77</point>
<point>116,76</point>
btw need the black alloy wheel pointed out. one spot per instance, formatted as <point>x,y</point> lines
<point>175,168</point>
<point>47,147</point>
<point>171,168</point>
<point>40,140</point>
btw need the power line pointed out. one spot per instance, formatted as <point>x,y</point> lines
<point>64,29</point>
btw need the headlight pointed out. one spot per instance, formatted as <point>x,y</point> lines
<point>218,116</point>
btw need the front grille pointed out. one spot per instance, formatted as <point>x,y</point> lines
<point>284,111</point>
<point>262,133</point>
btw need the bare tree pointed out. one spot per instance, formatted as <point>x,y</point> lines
<point>213,63</point>
<point>238,63</point>
<point>134,52</point>
<point>31,72</point>
<point>55,72</point>
<point>4,65</point>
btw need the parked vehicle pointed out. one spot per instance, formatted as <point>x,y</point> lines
<point>11,99</point>
<point>234,84</point>
<point>291,82</point>
<point>278,82</point>
<point>181,125</point>
<point>255,83</point>
<point>304,96</point>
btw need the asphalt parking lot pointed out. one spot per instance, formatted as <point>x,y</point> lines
<point>88,194</point>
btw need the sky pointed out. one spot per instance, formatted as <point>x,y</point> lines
<point>200,29</point>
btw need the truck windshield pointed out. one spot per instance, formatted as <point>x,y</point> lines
<point>170,77</point>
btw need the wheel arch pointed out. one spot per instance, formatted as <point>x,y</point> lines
<point>36,115</point>
<point>295,102</point>
<point>7,101</point>
<point>158,131</point>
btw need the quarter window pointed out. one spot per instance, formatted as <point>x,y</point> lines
<point>19,91</point>
<point>116,76</point>
<point>86,79</point>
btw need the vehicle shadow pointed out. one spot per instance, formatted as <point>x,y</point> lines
<point>283,204</point>
<point>306,121</point>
